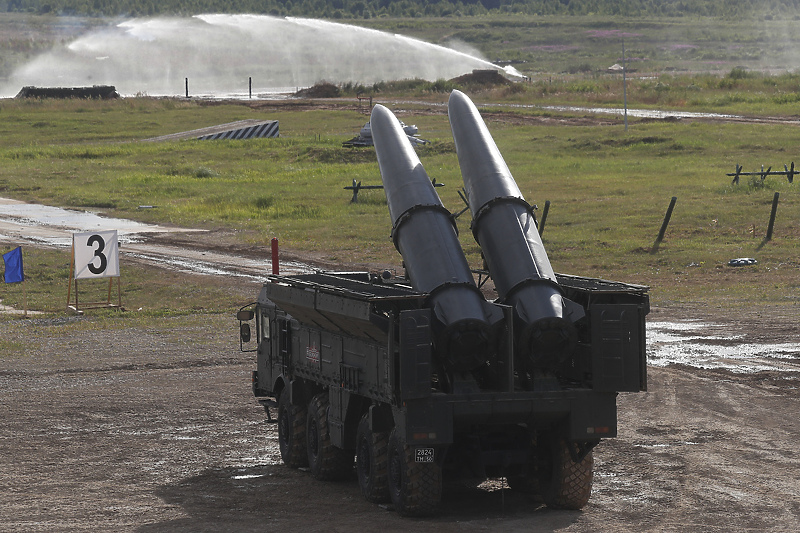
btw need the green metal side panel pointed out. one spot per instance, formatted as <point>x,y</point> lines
<point>618,358</point>
<point>415,354</point>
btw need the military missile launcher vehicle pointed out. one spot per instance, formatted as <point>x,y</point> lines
<point>410,380</point>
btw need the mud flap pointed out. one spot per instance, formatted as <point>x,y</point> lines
<point>593,418</point>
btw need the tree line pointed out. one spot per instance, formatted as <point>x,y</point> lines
<point>351,9</point>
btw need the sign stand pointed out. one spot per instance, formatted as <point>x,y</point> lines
<point>94,255</point>
<point>24,299</point>
<point>74,306</point>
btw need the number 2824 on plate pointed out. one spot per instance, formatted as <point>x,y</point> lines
<point>423,455</point>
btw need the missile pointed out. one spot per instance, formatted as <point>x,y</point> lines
<point>424,233</point>
<point>505,228</point>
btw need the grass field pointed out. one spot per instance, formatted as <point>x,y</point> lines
<point>151,293</point>
<point>536,45</point>
<point>558,45</point>
<point>608,187</point>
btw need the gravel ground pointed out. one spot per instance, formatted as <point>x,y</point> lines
<point>155,429</point>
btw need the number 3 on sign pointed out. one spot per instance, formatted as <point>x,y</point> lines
<point>96,254</point>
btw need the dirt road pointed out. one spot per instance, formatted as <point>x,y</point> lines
<point>181,249</point>
<point>156,430</point>
<point>136,429</point>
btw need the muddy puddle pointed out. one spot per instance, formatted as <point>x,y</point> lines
<point>706,345</point>
<point>54,226</point>
<point>693,343</point>
<point>619,111</point>
<point>636,113</point>
<point>44,225</point>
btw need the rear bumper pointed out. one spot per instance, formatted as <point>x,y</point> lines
<point>581,414</point>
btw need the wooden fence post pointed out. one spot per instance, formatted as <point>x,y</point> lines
<point>772,216</point>
<point>664,225</point>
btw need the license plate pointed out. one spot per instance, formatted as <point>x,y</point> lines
<point>423,455</point>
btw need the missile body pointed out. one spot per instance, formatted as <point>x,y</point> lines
<point>425,235</point>
<point>505,228</point>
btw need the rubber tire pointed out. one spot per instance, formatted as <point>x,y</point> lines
<point>326,461</point>
<point>372,462</point>
<point>291,432</point>
<point>414,488</point>
<point>565,484</point>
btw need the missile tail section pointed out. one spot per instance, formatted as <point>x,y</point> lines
<point>424,233</point>
<point>504,226</point>
<point>407,381</point>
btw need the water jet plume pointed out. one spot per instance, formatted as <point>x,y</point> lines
<point>220,53</point>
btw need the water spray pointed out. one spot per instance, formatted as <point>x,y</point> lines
<point>221,54</point>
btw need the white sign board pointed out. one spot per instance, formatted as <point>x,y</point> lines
<point>96,254</point>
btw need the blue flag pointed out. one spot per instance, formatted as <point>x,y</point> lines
<point>13,261</point>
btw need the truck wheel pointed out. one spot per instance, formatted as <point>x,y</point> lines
<point>372,462</point>
<point>415,488</point>
<point>564,484</point>
<point>291,432</point>
<point>326,461</point>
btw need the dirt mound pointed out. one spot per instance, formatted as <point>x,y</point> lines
<point>104,92</point>
<point>319,90</point>
<point>482,78</point>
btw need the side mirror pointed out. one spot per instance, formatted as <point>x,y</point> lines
<point>245,314</point>
<point>244,331</point>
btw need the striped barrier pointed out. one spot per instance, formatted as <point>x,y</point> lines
<point>265,129</point>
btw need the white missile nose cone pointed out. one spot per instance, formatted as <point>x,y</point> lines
<point>456,94</point>
<point>457,98</point>
<point>461,112</point>
<point>380,114</point>
<point>383,123</point>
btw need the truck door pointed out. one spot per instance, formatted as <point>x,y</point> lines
<point>264,328</point>
<point>283,344</point>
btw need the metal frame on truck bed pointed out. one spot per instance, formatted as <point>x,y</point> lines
<point>348,358</point>
<point>423,377</point>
